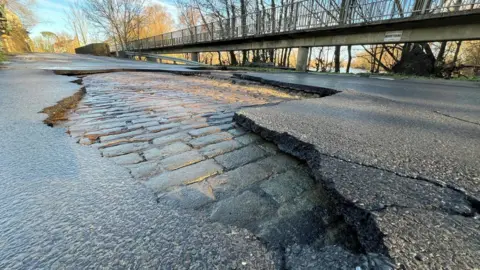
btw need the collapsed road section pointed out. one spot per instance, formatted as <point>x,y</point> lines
<point>177,136</point>
<point>374,178</point>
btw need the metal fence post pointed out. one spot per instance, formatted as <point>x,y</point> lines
<point>213,32</point>
<point>344,12</point>
<point>424,7</point>
<point>295,19</point>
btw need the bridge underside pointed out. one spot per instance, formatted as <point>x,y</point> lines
<point>463,27</point>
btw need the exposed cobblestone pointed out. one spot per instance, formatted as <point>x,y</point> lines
<point>145,169</point>
<point>178,138</point>
<point>184,176</point>
<point>181,160</point>
<point>168,150</point>
<point>216,149</point>
<point>240,157</point>
<point>209,139</point>
<point>286,186</point>
<point>123,149</point>
<point>131,158</point>
<point>249,138</point>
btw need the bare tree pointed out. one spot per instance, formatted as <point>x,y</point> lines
<point>119,19</point>
<point>23,9</point>
<point>77,22</point>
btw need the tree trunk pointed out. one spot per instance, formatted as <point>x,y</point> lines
<point>244,57</point>
<point>288,57</point>
<point>337,58</point>
<point>228,19</point>
<point>272,6</point>
<point>377,70</point>
<point>440,61</point>
<point>220,58</point>
<point>349,58</point>
<point>309,57</point>
<point>233,21</point>
<point>233,58</point>
<point>455,56</point>
<point>243,13</point>
<point>281,7</point>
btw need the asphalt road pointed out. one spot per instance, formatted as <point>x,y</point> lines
<point>400,150</point>
<point>457,98</point>
<point>401,157</point>
<point>64,206</point>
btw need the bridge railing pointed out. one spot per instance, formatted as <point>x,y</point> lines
<point>306,14</point>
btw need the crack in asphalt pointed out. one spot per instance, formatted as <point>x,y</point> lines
<point>456,118</point>
<point>306,148</point>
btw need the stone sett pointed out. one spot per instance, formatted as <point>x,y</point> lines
<point>184,176</point>
<point>181,160</point>
<point>216,149</point>
<point>168,150</point>
<point>120,136</point>
<point>145,169</point>
<point>240,157</point>
<point>288,185</point>
<point>249,138</point>
<point>210,139</point>
<point>243,210</point>
<point>131,158</point>
<point>123,149</point>
<point>182,136</point>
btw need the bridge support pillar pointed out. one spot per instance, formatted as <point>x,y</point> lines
<point>194,56</point>
<point>302,59</point>
<point>152,59</point>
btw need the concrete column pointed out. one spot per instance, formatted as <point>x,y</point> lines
<point>194,56</point>
<point>302,59</point>
<point>152,59</point>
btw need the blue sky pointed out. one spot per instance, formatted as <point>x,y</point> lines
<point>51,15</point>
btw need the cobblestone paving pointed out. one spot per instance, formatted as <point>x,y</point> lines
<point>176,135</point>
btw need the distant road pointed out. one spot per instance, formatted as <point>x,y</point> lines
<point>459,98</point>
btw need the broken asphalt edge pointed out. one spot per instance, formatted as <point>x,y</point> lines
<point>362,221</point>
<point>322,91</point>
<point>76,72</point>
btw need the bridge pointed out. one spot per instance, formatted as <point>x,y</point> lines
<point>314,23</point>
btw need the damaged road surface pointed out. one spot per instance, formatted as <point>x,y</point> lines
<point>177,136</point>
<point>157,176</point>
<point>165,171</point>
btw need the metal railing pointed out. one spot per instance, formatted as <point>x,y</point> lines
<point>306,14</point>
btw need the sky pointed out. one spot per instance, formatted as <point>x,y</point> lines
<point>51,17</point>
<point>51,14</point>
